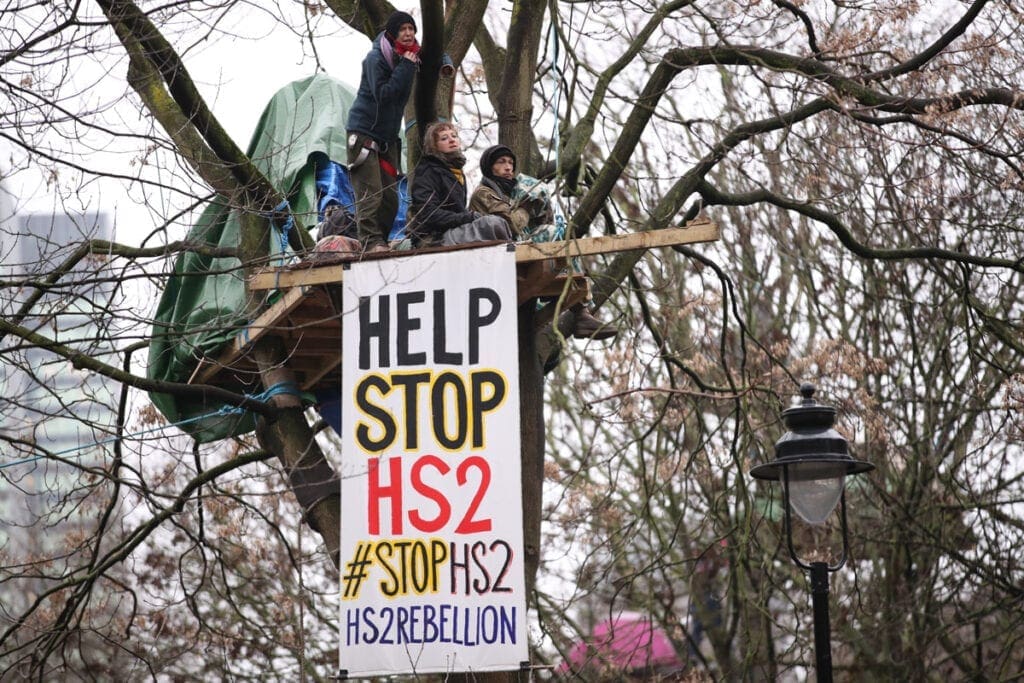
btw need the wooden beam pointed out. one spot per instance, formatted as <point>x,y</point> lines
<point>696,231</point>
<point>306,314</point>
<point>207,367</point>
<point>328,365</point>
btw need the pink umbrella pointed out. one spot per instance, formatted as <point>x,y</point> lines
<point>627,643</point>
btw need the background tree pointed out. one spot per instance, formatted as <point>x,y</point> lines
<point>864,163</point>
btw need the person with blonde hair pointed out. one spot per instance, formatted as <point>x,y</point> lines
<point>437,211</point>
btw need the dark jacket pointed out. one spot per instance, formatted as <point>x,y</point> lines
<point>437,201</point>
<point>383,92</point>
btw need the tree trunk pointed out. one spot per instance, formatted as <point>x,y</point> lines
<point>515,110</point>
<point>289,436</point>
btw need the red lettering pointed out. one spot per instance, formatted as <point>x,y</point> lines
<point>427,491</point>
<point>393,491</point>
<point>468,525</point>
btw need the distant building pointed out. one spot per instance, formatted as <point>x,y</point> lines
<point>48,409</point>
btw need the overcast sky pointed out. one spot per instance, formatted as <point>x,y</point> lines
<point>237,74</point>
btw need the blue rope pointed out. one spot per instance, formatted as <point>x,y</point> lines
<point>286,228</point>
<point>289,223</point>
<point>225,410</point>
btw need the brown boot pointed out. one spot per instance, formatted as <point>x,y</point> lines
<point>589,327</point>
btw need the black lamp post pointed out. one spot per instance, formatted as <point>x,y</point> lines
<point>811,461</point>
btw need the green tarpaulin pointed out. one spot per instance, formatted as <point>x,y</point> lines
<point>202,304</point>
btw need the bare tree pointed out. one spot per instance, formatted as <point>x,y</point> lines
<point>864,162</point>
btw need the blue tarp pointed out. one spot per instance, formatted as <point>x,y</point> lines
<point>335,189</point>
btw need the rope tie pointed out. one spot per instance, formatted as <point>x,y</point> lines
<point>289,223</point>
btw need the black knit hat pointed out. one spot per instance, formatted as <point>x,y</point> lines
<point>492,154</point>
<point>395,22</point>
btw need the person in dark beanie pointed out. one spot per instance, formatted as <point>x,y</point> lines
<point>496,189</point>
<point>374,150</point>
<point>530,218</point>
<point>437,209</point>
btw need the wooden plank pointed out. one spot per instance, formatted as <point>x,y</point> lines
<point>306,328</point>
<point>263,323</point>
<point>328,366</point>
<point>570,286</point>
<point>534,278</point>
<point>307,317</point>
<point>696,231</point>
<point>317,275</point>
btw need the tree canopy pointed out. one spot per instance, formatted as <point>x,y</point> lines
<point>864,162</point>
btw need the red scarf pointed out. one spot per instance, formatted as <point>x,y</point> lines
<point>413,49</point>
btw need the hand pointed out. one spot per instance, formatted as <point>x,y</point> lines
<point>410,51</point>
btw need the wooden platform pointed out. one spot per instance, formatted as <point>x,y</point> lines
<point>305,312</point>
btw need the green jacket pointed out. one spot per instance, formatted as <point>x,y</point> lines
<point>487,198</point>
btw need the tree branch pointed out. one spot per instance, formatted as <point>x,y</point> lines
<point>714,196</point>
<point>186,118</point>
<point>81,360</point>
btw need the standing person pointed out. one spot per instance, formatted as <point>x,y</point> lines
<point>374,151</point>
<point>437,210</point>
<point>529,218</point>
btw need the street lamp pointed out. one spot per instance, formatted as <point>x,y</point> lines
<point>811,461</point>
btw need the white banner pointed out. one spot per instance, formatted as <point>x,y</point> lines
<point>431,525</point>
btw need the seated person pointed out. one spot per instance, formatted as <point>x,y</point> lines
<point>496,191</point>
<point>530,218</point>
<point>437,210</point>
